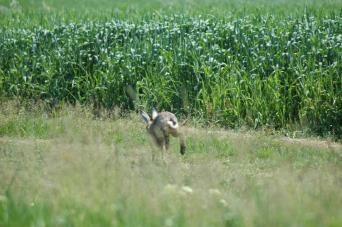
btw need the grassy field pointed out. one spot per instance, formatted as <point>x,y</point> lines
<point>70,169</point>
<point>74,74</point>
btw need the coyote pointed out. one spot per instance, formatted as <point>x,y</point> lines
<point>160,126</point>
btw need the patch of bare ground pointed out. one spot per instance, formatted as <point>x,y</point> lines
<point>317,143</point>
<point>314,143</point>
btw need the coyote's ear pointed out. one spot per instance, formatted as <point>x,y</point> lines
<point>145,117</point>
<point>154,114</point>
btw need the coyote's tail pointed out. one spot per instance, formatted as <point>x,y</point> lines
<point>173,123</point>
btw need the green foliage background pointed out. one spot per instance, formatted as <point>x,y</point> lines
<point>233,63</point>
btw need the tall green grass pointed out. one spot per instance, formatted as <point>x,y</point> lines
<point>276,67</point>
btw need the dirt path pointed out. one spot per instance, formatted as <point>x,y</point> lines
<point>306,142</point>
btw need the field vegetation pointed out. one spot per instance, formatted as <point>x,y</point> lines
<point>70,169</point>
<point>74,74</point>
<point>231,63</point>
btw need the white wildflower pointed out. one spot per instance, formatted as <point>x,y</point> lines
<point>187,189</point>
<point>214,191</point>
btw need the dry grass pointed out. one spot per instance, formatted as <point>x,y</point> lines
<point>78,171</point>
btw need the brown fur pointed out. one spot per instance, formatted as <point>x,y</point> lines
<point>160,126</point>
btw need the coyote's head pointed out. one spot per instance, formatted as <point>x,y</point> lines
<point>149,119</point>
